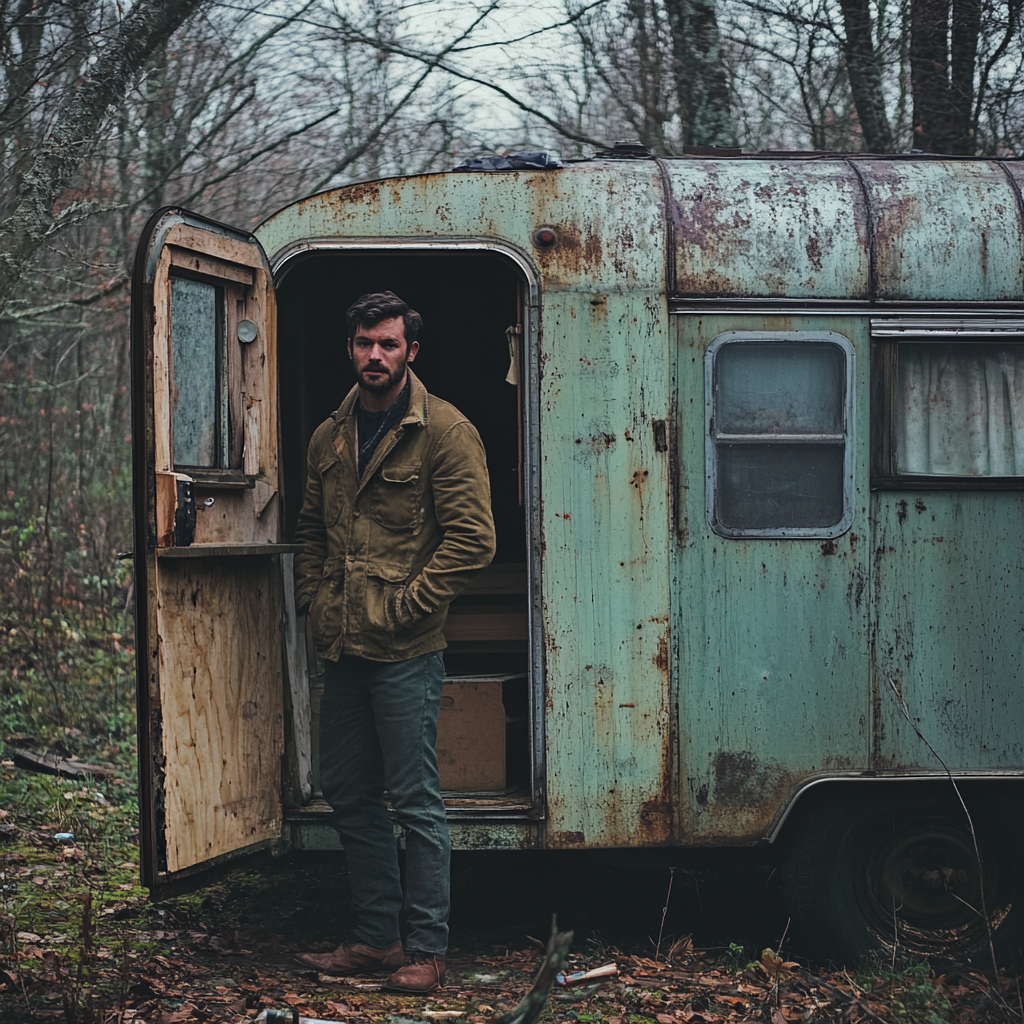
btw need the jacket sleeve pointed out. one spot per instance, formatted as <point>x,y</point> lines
<point>311,533</point>
<point>462,506</point>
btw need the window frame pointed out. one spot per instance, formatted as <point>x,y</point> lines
<point>712,438</point>
<point>236,289</point>
<point>887,333</point>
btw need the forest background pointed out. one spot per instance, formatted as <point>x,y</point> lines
<point>111,110</point>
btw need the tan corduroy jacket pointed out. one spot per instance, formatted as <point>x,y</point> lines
<point>402,541</point>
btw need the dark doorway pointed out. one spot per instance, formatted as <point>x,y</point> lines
<point>468,300</point>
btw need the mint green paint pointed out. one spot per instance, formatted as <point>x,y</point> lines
<point>773,666</point>
<point>693,683</point>
<point>950,601</point>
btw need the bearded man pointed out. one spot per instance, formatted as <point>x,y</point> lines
<point>395,522</point>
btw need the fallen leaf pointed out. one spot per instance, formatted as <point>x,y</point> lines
<point>775,967</point>
<point>721,997</point>
<point>186,1012</point>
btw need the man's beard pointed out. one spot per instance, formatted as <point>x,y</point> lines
<point>382,387</point>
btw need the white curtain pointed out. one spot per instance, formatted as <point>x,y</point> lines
<point>960,409</point>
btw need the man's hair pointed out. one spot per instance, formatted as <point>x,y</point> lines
<point>374,307</point>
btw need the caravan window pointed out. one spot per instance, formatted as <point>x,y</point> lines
<point>959,409</point>
<point>200,396</point>
<point>779,462</point>
<point>947,399</point>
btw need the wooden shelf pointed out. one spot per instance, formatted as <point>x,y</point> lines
<point>486,622</point>
<point>502,578</point>
<point>220,550</point>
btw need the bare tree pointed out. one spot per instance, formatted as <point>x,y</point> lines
<point>236,113</point>
<point>864,68</point>
<point>40,179</point>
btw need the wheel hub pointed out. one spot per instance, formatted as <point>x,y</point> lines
<point>928,878</point>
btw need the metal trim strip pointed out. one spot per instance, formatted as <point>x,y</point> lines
<point>775,827</point>
<point>696,305</point>
<point>936,327</point>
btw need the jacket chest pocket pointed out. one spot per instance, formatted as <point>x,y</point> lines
<point>334,497</point>
<point>399,501</point>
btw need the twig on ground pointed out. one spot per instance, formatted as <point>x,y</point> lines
<point>664,912</point>
<point>530,1007</point>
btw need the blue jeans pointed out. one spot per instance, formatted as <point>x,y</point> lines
<point>378,728</point>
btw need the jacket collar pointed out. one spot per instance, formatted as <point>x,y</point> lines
<point>415,415</point>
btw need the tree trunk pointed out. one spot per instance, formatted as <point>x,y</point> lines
<point>963,57</point>
<point>865,73</point>
<point>148,24</point>
<point>929,75</point>
<point>702,79</point>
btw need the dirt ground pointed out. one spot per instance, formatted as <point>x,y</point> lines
<point>81,941</point>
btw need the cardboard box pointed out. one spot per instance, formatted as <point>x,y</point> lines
<point>471,735</point>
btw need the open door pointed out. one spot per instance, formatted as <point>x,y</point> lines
<point>208,573</point>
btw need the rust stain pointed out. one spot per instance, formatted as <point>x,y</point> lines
<point>364,191</point>
<point>654,825</point>
<point>901,511</point>
<point>829,547</point>
<point>920,506</point>
<point>601,441</point>
<point>742,798</point>
<point>661,658</point>
<point>577,253</point>
<point>568,839</point>
<point>814,252</point>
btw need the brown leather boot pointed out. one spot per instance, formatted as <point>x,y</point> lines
<point>420,973</point>
<point>355,958</point>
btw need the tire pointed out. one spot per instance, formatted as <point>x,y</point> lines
<point>868,874</point>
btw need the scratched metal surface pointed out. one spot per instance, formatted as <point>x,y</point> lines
<point>604,375</point>
<point>948,571</point>
<point>764,644</point>
<point>773,663</point>
<point>848,229</point>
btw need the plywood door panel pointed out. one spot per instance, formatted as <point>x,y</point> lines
<point>220,690</point>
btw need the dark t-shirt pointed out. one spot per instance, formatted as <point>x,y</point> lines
<point>373,426</point>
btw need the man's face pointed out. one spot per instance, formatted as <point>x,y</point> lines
<point>380,355</point>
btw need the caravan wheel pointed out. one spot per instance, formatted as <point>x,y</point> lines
<point>868,874</point>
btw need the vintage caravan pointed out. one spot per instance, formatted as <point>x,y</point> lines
<point>755,431</point>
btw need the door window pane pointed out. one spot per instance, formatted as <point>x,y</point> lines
<point>200,389</point>
<point>960,409</point>
<point>780,388</point>
<point>774,486</point>
<point>779,463</point>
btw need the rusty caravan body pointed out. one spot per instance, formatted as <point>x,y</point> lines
<point>752,428</point>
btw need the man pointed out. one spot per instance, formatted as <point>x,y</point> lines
<point>396,521</point>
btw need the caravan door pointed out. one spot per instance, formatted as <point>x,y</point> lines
<point>209,594</point>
